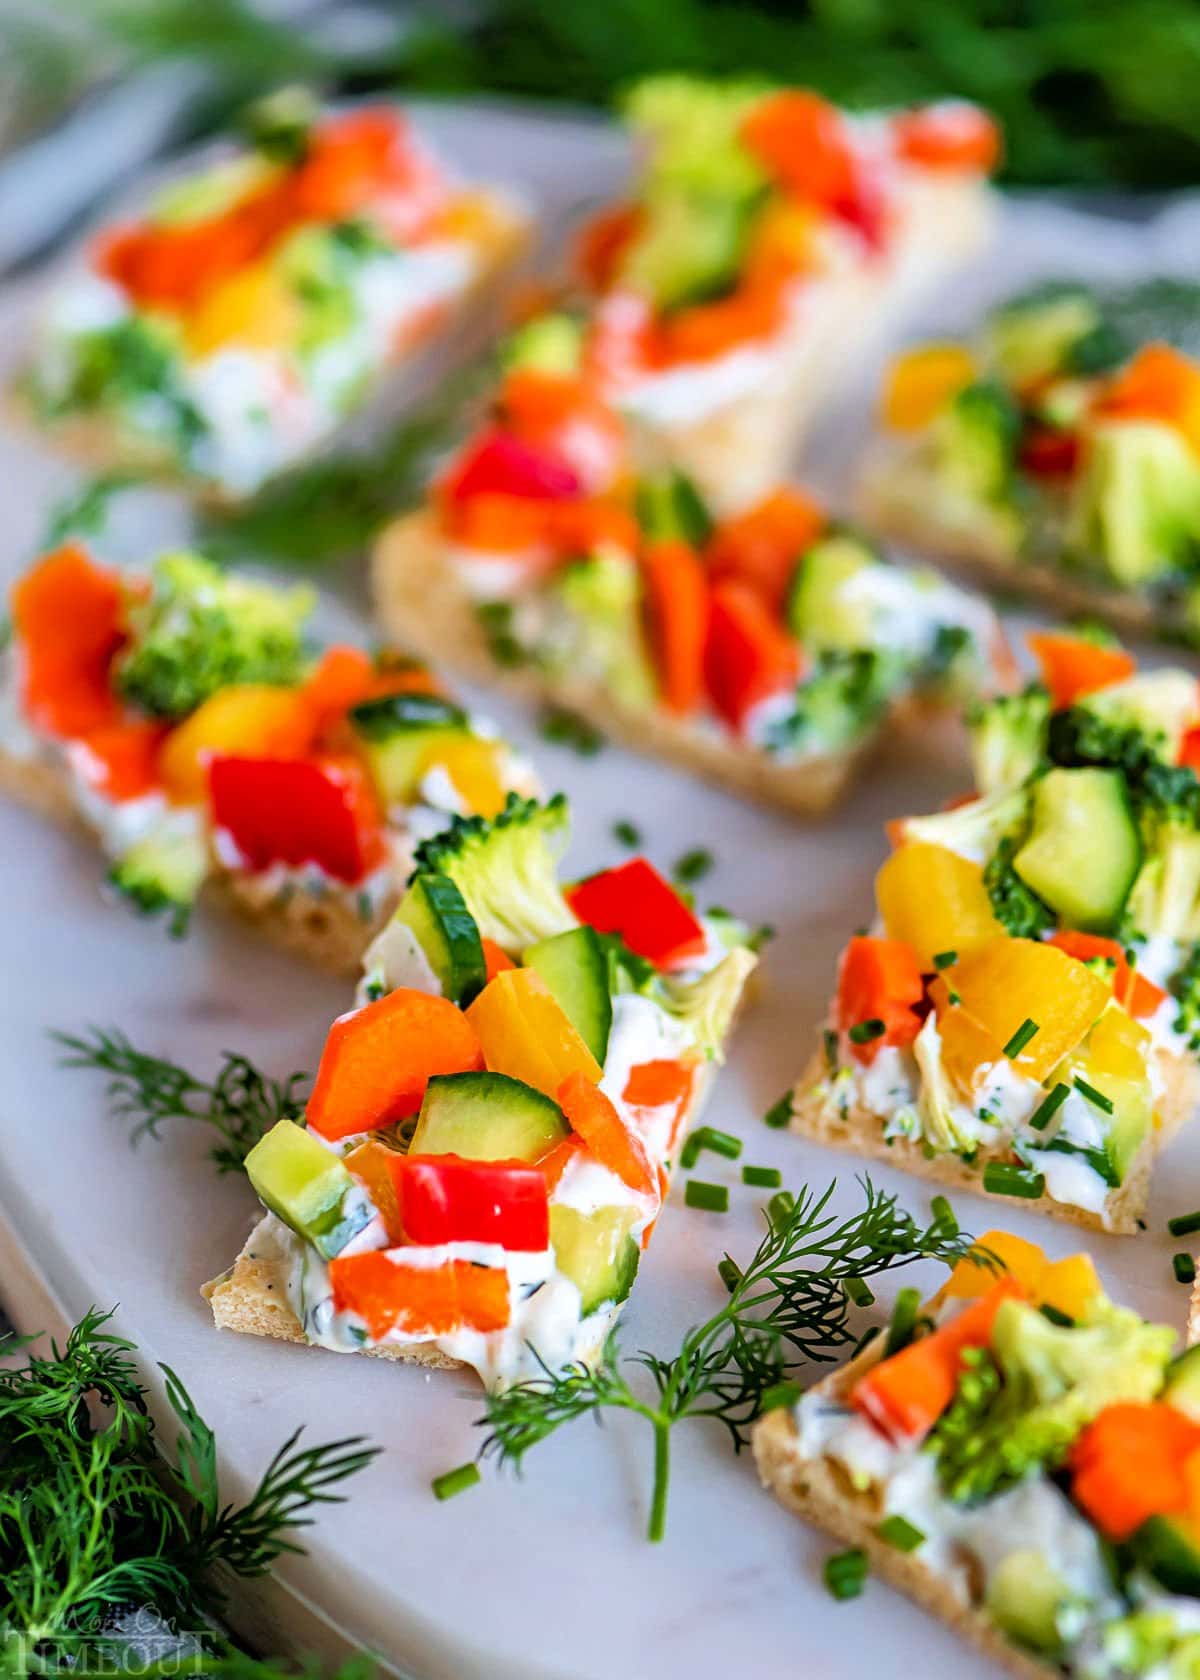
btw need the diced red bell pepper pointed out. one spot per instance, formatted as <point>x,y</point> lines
<point>748,655</point>
<point>68,617</point>
<point>1047,452</point>
<point>1133,991</point>
<point>951,135</point>
<point>299,811</point>
<point>879,980</point>
<point>634,901</point>
<point>1189,750</point>
<point>444,1199</point>
<point>499,464</point>
<point>120,760</point>
<point>390,1291</point>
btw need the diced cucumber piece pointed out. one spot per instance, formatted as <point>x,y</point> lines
<point>486,1117</point>
<point>436,912</point>
<point>1169,1548</point>
<point>549,344</point>
<point>1182,1388</point>
<point>668,505</point>
<point>819,612</point>
<point>575,967</point>
<point>399,730</point>
<point>1083,849</point>
<point>164,872</point>
<point>308,1187</point>
<point>1023,1598</point>
<point>596,1251</point>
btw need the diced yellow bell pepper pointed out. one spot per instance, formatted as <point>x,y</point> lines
<point>250,719</point>
<point>255,308</point>
<point>474,768</point>
<point>919,383</point>
<point>1070,1285</point>
<point>524,1032</point>
<point>369,1162</point>
<point>1118,1047</point>
<point>934,900</point>
<point>1007,982</point>
<point>477,218</point>
<point>1024,1261</point>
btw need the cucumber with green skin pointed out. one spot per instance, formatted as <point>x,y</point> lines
<point>1083,850</point>
<point>817,613</point>
<point>306,1185</point>
<point>436,913</point>
<point>399,730</point>
<point>1182,1387</point>
<point>1023,1598</point>
<point>486,1117</point>
<point>1168,1547</point>
<point>597,1252</point>
<point>574,966</point>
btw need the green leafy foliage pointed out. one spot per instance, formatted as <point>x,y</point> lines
<point>835,706</point>
<point>1008,737</point>
<point>1185,988</point>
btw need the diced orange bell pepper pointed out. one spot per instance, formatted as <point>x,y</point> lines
<point>378,1060</point>
<point>803,141</point>
<point>676,600</point>
<point>920,382</point>
<point>905,1395</point>
<point>540,407</point>
<point>555,1161</point>
<point>762,546</point>
<point>1159,383</point>
<point>496,959</point>
<point>933,900</point>
<point>952,135</point>
<point>1132,990</point>
<point>1128,1464</point>
<point>497,523</point>
<point>390,1292</point>
<point>879,980</point>
<point>604,241</point>
<point>784,242</point>
<point>524,1032</point>
<point>580,527</point>
<point>652,1085</point>
<point>350,157</point>
<point>68,617</point>
<point>1009,981</point>
<point>474,768</point>
<point>120,760</point>
<point>1072,666</point>
<point>245,720</point>
<point>346,676</point>
<point>707,330</point>
<point>370,1162</point>
<point>614,1144</point>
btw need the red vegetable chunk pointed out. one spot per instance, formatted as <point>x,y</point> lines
<point>299,811</point>
<point>444,1199</point>
<point>634,901</point>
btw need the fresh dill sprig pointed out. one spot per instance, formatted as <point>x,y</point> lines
<point>790,1304</point>
<point>96,1516</point>
<point>241,1104</point>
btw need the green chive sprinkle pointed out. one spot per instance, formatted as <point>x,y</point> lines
<point>1001,1179</point>
<point>730,1273</point>
<point>863,1032</point>
<point>708,1137</point>
<point>455,1481</point>
<point>1049,1107</point>
<point>712,1198</point>
<point>1027,1030</point>
<point>1185,1268</point>
<point>762,1178</point>
<point>626,834</point>
<point>857,1291</point>
<point>944,1215</point>
<point>1096,1098</point>
<point>780,1113</point>
<point>945,959</point>
<point>693,865</point>
<point>846,1573</point>
<point>1056,1316</point>
<point>830,1044</point>
<point>780,1394</point>
<point>904,1320</point>
<point>899,1532</point>
<point>779,1208</point>
<point>1184,1224</point>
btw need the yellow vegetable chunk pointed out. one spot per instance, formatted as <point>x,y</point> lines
<point>919,383</point>
<point>254,309</point>
<point>248,719</point>
<point>935,901</point>
<point>1024,1261</point>
<point>524,1032</point>
<point>473,766</point>
<point>1007,982</point>
<point>1069,1285</point>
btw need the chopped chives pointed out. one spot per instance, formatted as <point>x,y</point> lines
<point>455,1481</point>
<point>693,865</point>
<point>904,1320</point>
<point>899,1532</point>
<point>730,1273</point>
<point>1096,1098</point>
<point>626,833</point>
<point>857,1291</point>
<point>779,1208</point>
<point>780,1113</point>
<point>762,1178</point>
<point>778,1395</point>
<point>1184,1224</point>
<point>846,1573</point>
<point>830,1045</point>
<point>863,1032</point>
<point>1002,1179</point>
<point>955,997</point>
<point>712,1198</point>
<point>944,1215</point>
<point>1185,1268</point>
<point>708,1137</point>
<point>1049,1107</point>
<point>1027,1030</point>
<point>1056,1315</point>
<point>945,959</point>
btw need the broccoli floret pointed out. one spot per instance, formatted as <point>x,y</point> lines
<point>506,868</point>
<point>1136,506</point>
<point>1136,727</point>
<point>975,829</point>
<point>1016,906</point>
<point>129,367</point>
<point>201,629</point>
<point>835,706</point>
<point>163,873</point>
<point>975,441</point>
<point>1035,336</point>
<point>1008,738</point>
<point>1164,901</point>
<point>1021,1404</point>
<point>1185,989</point>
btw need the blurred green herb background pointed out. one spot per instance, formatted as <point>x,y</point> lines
<point>1091,92</point>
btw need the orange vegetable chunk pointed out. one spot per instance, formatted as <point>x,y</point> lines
<point>1129,1464</point>
<point>369,1161</point>
<point>1022,1260</point>
<point>378,1060</point>
<point>934,900</point>
<point>390,1293</point>
<point>919,383</point>
<point>676,597</point>
<point>245,720</point>
<point>614,1144</point>
<point>1159,383</point>
<point>1072,666</point>
<point>879,980</point>
<point>473,767</point>
<point>524,1032</point>
<point>67,614</point>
